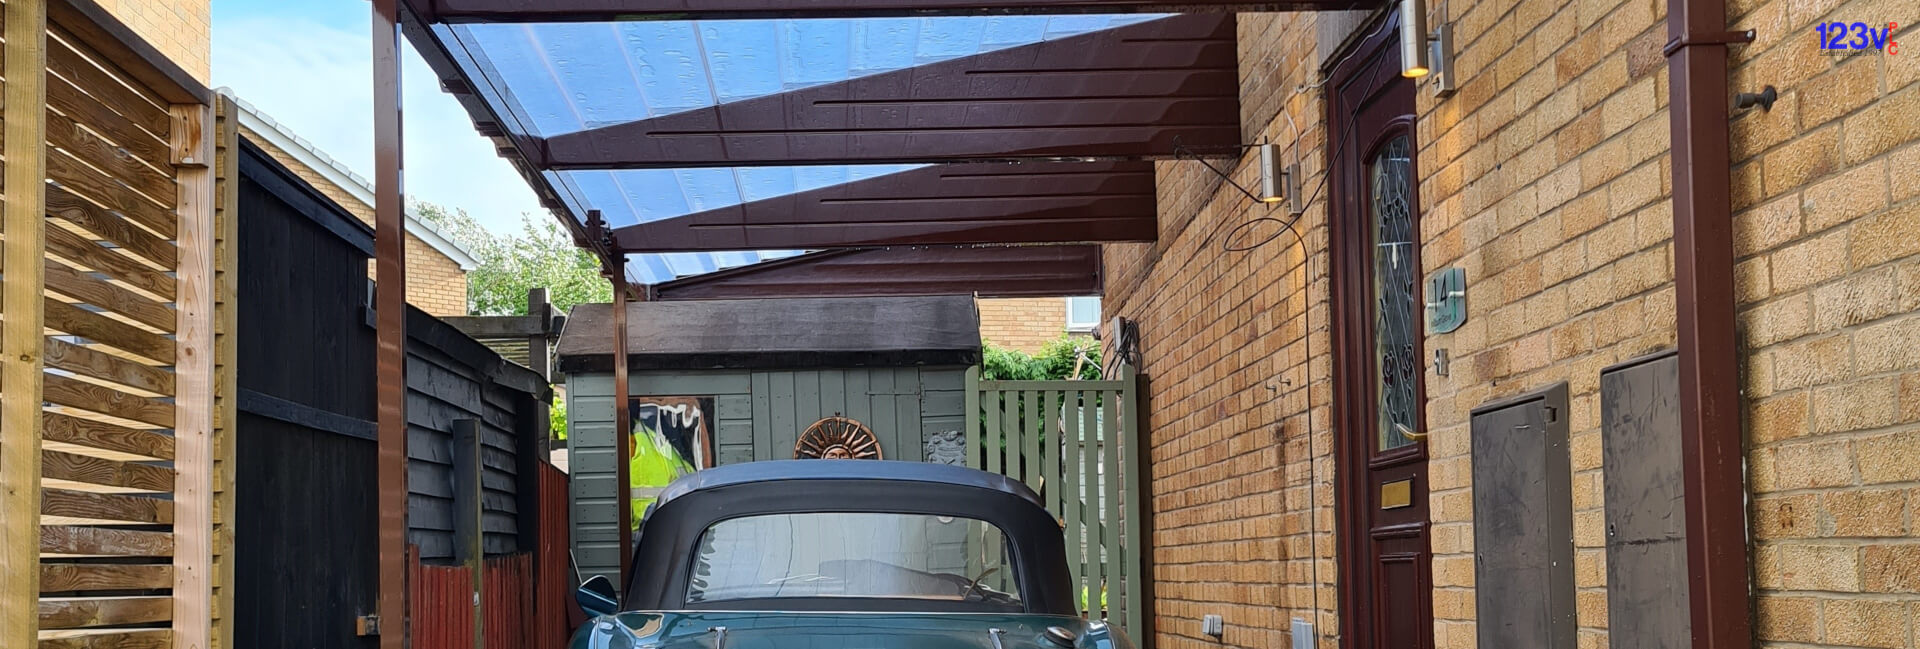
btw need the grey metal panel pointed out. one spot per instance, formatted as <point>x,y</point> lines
<point>1523,522</point>
<point>1645,504</point>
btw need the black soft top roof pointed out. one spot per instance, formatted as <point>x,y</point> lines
<point>783,470</point>
<point>687,508</point>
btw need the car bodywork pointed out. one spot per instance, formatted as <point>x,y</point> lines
<point>657,612</point>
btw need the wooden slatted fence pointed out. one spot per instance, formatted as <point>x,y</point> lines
<point>1077,444</point>
<point>121,340</point>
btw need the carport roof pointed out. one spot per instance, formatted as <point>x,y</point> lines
<point>644,120</point>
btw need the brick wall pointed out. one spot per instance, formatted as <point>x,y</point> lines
<point>435,282</point>
<point>1240,482</point>
<point>180,29</point>
<point>1025,324</point>
<point>1827,188</point>
<point>1546,177</point>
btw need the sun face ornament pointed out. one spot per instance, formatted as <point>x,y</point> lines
<point>837,438</point>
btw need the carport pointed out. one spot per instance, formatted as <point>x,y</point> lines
<point>1038,151</point>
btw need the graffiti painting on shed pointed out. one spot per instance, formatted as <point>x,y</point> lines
<point>672,437</point>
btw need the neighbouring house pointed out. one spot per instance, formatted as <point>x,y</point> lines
<point>437,265</point>
<point>1028,323</point>
<point>728,381</point>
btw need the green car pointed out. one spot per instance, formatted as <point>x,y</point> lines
<point>843,554</point>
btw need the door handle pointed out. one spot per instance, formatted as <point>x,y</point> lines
<point>1408,432</point>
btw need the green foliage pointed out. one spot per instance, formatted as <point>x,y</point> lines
<point>542,254</point>
<point>1055,361</point>
<point>557,418</point>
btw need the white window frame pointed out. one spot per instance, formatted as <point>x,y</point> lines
<point>1082,327</point>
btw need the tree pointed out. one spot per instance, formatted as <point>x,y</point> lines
<point>542,254</point>
<point>1056,360</point>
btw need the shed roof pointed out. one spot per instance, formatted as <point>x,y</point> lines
<point>777,333</point>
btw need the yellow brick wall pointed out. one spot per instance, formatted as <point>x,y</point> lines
<point>1025,324</point>
<point>180,29</point>
<point>435,283</point>
<point>1546,177</point>
<point>1827,232</point>
<point>1234,467</point>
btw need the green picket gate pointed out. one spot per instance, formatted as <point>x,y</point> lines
<point>1077,444</point>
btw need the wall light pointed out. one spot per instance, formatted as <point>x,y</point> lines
<point>1424,53</point>
<point>1278,182</point>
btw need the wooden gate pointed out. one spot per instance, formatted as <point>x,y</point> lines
<point>1077,444</point>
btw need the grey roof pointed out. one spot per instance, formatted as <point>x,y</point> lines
<point>777,333</point>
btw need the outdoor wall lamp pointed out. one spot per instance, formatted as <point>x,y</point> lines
<point>1279,183</point>
<point>1424,53</point>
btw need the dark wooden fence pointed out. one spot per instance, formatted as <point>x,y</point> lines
<point>305,466</point>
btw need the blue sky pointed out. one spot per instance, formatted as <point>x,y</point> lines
<point>307,64</point>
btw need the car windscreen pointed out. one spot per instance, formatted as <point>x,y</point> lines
<point>854,555</point>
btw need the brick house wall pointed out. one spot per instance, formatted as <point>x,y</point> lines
<point>435,282</point>
<point>180,29</point>
<point>1546,177</point>
<point>1025,324</point>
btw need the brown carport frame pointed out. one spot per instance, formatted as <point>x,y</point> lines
<point>1036,202</point>
<point>987,271</point>
<point>549,11</point>
<point>1702,266</point>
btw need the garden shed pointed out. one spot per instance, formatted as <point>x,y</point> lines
<point>726,381</point>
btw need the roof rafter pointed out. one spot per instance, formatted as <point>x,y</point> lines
<point>989,271</point>
<point>1132,92</point>
<point>1039,202</point>
<point>614,10</point>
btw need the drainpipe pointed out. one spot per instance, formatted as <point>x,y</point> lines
<point>1712,442</point>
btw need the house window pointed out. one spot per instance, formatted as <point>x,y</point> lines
<point>1083,313</point>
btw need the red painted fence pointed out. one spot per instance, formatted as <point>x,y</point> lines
<point>525,598</point>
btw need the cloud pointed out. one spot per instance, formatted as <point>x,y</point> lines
<point>316,79</point>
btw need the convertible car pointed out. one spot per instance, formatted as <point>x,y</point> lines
<point>843,554</point>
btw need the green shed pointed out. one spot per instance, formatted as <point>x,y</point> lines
<point>727,381</point>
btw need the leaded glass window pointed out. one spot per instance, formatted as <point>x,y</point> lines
<point>1396,299</point>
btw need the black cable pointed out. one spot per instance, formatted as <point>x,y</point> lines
<point>1353,121</point>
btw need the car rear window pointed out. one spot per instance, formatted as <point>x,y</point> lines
<point>862,555</point>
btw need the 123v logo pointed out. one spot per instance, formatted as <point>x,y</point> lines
<point>1841,37</point>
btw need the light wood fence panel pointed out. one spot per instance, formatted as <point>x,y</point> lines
<point>110,264</point>
<point>1077,445</point>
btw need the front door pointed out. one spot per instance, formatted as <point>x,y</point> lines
<point>1386,589</point>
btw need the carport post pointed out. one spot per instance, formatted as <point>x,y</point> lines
<point>390,317</point>
<point>622,416</point>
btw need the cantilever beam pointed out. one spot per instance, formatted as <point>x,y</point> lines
<point>998,271</point>
<point>547,11</point>
<point>1132,92</point>
<point>1041,202</point>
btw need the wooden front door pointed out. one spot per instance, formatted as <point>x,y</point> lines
<point>1386,585</point>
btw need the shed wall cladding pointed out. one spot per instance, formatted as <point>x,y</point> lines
<point>759,417</point>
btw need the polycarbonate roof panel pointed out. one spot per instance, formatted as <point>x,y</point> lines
<point>561,78</point>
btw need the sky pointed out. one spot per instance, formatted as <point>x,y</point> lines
<point>307,64</point>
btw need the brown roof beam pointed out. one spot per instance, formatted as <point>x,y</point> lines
<point>997,271</point>
<point>1040,202</point>
<point>1132,92</point>
<point>615,10</point>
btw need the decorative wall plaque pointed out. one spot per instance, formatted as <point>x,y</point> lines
<point>837,438</point>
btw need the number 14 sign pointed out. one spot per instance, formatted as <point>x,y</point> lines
<point>1838,36</point>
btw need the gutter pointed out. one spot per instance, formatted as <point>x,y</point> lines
<point>1712,442</point>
